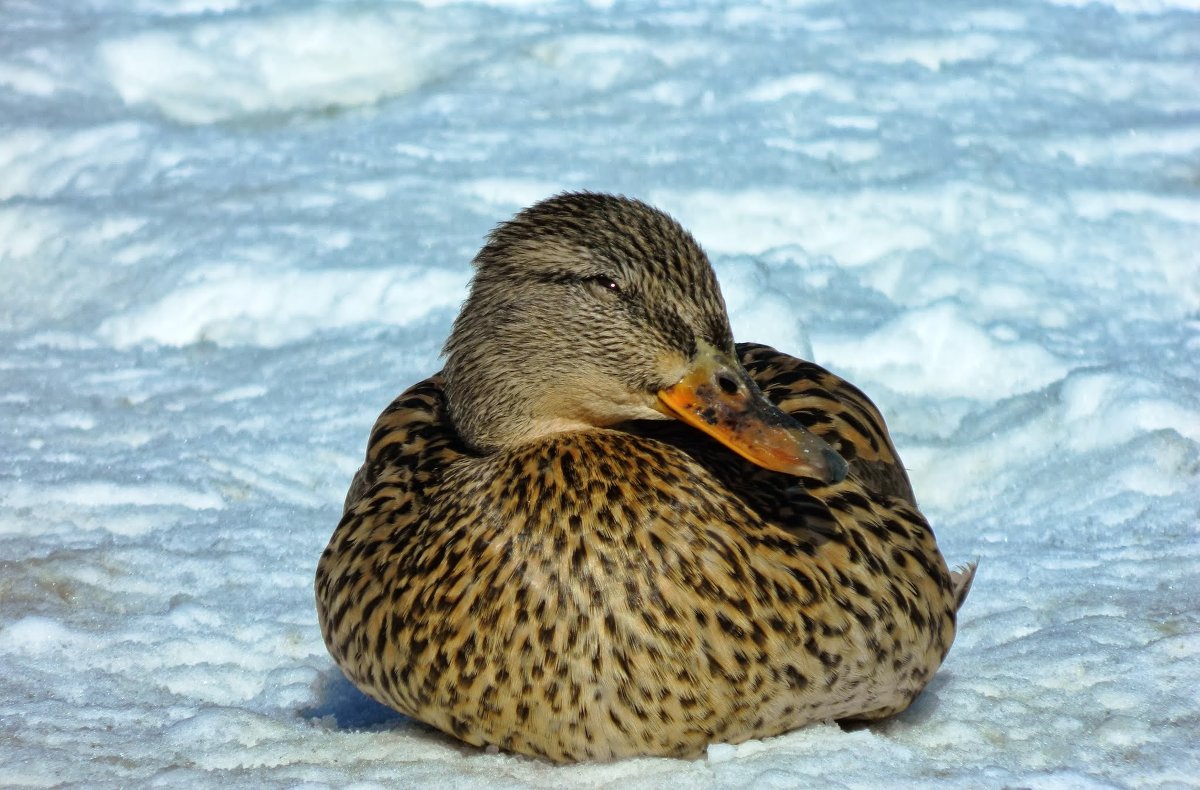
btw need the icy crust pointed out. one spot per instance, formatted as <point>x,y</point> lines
<point>232,230</point>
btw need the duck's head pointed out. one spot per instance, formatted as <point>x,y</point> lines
<point>589,310</point>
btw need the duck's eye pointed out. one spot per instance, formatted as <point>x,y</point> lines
<point>605,283</point>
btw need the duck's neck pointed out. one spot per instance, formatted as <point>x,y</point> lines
<point>493,413</point>
<point>491,419</point>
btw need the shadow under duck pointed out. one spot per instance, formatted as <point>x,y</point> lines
<point>605,530</point>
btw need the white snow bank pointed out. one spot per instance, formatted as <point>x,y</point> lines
<point>854,228</point>
<point>231,305</point>
<point>182,7</point>
<point>941,350</point>
<point>1099,431</point>
<point>313,59</point>
<point>34,635</point>
<point>934,52</point>
<point>1137,6</point>
<point>107,494</point>
<point>40,162</point>
<point>758,309</point>
<point>26,79</point>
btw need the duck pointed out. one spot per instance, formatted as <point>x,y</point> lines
<point>606,530</point>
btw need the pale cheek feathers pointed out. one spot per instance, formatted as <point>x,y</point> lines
<point>587,402</point>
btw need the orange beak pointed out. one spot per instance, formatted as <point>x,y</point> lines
<point>718,396</point>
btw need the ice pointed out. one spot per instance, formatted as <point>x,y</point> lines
<point>232,230</point>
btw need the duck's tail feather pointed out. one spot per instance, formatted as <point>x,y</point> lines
<point>962,577</point>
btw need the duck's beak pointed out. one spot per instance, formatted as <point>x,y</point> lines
<point>718,396</point>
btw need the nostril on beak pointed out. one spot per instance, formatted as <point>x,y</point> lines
<point>727,384</point>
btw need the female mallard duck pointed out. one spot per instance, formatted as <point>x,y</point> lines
<point>604,530</point>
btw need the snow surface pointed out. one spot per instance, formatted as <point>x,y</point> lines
<point>232,230</point>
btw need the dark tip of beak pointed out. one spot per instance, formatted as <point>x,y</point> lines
<point>837,466</point>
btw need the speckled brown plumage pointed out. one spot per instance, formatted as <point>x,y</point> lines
<point>634,588</point>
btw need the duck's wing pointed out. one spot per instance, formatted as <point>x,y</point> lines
<point>835,410</point>
<point>840,413</point>
<point>411,443</point>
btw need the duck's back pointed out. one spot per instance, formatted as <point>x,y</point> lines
<point>607,593</point>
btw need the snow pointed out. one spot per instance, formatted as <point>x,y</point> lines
<point>232,230</point>
<point>318,58</point>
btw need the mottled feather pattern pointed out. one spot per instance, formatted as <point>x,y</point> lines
<point>639,590</point>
